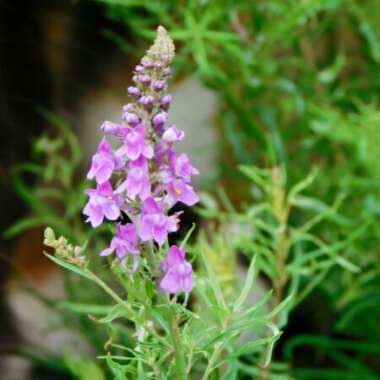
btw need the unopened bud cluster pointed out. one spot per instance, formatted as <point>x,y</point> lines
<point>63,249</point>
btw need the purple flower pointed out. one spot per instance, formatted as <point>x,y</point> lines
<point>124,243</point>
<point>102,203</point>
<point>173,134</point>
<point>181,166</point>
<point>155,225</point>
<point>103,163</point>
<point>160,153</point>
<point>137,182</point>
<point>135,144</point>
<point>178,273</point>
<point>180,191</point>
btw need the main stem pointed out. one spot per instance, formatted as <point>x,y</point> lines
<point>180,364</point>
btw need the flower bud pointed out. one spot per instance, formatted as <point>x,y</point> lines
<point>147,101</point>
<point>146,62</point>
<point>159,85</point>
<point>131,118</point>
<point>49,235</point>
<point>144,79</point>
<point>159,119</point>
<point>134,91</point>
<point>158,65</point>
<point>165,101</point>
<point>128,107</point>
<point>139,69</point>
<point>173,134</point>
<point>109,128</point>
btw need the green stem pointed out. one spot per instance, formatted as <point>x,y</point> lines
<point>217,351</point>
<point>214,356</point>
<point>151,256</point>
<point>180,364</point>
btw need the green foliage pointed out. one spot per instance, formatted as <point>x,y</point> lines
<point>148,329</point>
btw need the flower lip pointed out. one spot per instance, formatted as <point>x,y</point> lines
<point>178,273</point>
<point>172,134</point>
<point>124,243</point>
<point>102,203</point>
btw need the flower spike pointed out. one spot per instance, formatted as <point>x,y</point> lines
<point>142,176</point>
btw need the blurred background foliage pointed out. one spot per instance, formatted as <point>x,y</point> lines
<point>297,83</point>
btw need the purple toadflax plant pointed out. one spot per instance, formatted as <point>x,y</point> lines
<point>143,177</point>
<point>137,181</point>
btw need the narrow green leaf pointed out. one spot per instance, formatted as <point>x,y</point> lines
<point>212,280</point>
<point>82,308</point>
<point>187,237</point>
<point>118,311</point>
<point>249,280</point>
<point>70,267</point>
